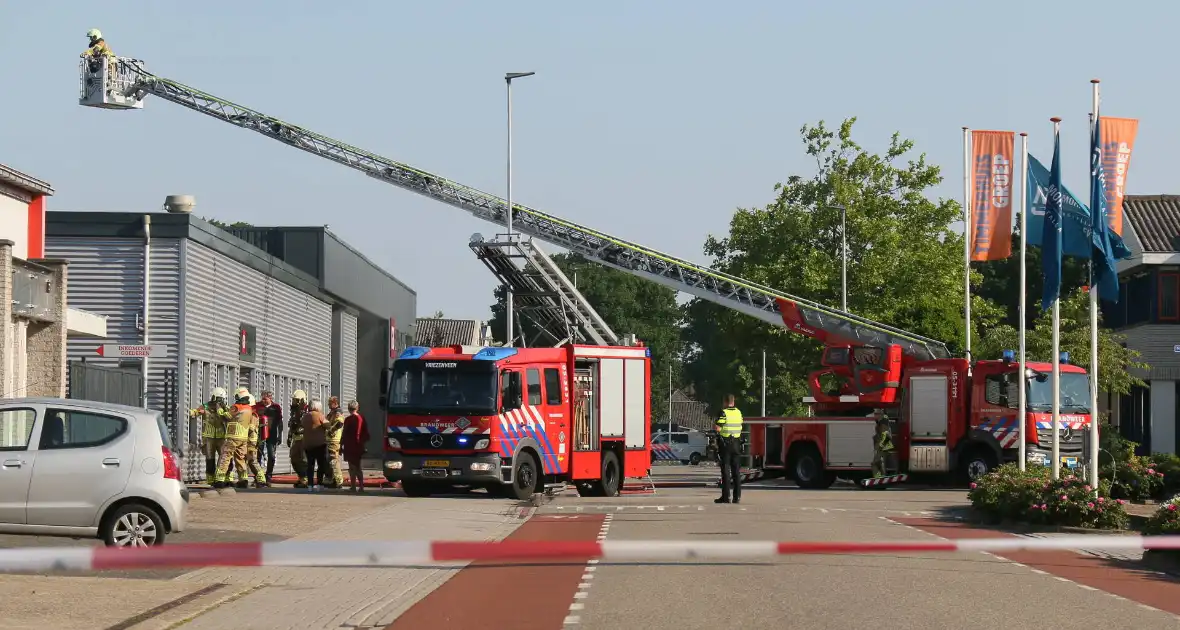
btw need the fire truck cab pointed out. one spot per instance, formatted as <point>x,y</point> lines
<point>515,420</point>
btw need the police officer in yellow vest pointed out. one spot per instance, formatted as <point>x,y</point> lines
<point>729,447</point>
<point>237,435</point>
<point>213,415</point>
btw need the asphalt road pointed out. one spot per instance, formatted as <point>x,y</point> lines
<point>883,591</point>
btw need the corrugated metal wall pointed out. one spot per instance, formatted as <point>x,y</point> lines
<point>106,277</point>
<point>294,329</point>
<point>348,357</point>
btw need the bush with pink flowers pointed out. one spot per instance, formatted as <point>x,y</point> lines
<point>1134,479</point>
<point>1166,519</point>
<point>1031,496</point>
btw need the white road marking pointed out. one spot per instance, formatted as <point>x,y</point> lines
<point>583,591</point>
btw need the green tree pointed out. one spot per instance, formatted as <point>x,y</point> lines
<point>905,265</point>
<point>1000,281</point>
<point>228,226</point>
<point>1115,362</point>
<point>629,305</point>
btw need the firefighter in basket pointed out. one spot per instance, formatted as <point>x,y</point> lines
<point>97,51</point>
<point>882,446</point>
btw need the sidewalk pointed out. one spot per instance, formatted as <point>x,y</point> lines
<point>354,598</point>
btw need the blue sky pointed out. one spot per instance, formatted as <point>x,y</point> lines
<point>650,120</point>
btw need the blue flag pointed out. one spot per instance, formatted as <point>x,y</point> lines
<point>1077,233</point>
<point>1051,231</point>
<point>1102,267</point>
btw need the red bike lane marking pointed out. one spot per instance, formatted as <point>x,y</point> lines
<point>517,595</point>
<point>1119,578</point>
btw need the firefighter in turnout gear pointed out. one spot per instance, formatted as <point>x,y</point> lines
<point>237,435</point>
<point>97,51</point>
<point>213,415</point>
<point>295,436</point>
<point>260,480</point>
<point>334,432</point>
<point>729,432</point>
<point>882,446</point>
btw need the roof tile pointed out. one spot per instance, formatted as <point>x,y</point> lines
<point>1156,220</point>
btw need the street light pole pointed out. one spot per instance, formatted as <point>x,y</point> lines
<point>508,306</point>
<point>843,256</point>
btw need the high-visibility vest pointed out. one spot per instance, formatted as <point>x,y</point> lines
<point>335,428</point>
<point>213,426</point>
<point>730,422</point>
<point>238,427</point>
<point>884,442</point>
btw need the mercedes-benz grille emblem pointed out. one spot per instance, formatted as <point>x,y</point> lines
<point>436,440</point>
<point>1066,434</point>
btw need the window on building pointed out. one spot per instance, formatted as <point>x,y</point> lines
<point>534,381</point>
<point>1168,296</point>
<point>16,428</point>
<point>79,429</point>
<point>552,386</point>
<point>1139,294</point>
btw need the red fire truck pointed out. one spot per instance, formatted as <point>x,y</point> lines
<point>515,420</point>
<point>946,416</point>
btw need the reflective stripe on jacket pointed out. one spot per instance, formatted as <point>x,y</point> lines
<point>730,422</point>
<point>238,427</point>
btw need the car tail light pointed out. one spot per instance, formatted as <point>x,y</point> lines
<point>171,467</point>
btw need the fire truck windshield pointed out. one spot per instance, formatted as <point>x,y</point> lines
<point>1075,393</point>
<point>439,387</point>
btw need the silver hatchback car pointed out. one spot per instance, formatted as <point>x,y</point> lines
<point>84,468</point>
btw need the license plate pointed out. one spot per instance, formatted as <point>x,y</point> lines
<point>1071,462</point>
<point>436,463</point>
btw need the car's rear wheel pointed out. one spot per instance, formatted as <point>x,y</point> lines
<point>133,525</point>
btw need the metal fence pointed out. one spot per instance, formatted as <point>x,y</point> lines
<point>123,386</point>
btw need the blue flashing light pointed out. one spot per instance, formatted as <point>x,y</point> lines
<point>1009,356</point>
<point>647,352</point>
<point>1065,358</point>
<point>462,440</point>
<point>494,354</point>
<point>413,352</point>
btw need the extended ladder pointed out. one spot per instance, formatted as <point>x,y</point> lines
<point>125,83</point>
<point>543,294</point>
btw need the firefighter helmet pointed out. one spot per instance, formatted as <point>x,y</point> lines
<point>219,393</point>
<point>299,395</point>
<point>94,33</point>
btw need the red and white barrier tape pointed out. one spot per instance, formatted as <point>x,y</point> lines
<point>395,553</point>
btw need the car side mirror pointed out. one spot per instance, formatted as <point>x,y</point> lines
<point>383,401</point>
<point>385,382</point>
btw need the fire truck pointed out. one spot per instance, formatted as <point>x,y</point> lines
<point>947,415</point>
<point>518,420</point>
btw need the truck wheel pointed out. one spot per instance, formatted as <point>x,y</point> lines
<point>608,485</point>
<point>417,489</point>
<point>809,471</point>
<point>524,477</point>
<point>694,459</point>
<point>977,463</point>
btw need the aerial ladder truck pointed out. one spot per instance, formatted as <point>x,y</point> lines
<point>948,414</point>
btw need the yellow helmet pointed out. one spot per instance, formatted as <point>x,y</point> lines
<point>299,395</point>
<point>94,33</point>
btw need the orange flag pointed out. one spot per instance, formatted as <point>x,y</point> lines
<point>990,230</point>
<point>1118,141</point>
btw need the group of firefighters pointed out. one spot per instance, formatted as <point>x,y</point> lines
<point>238,438</point>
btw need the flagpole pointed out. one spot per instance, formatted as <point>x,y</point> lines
<point>1056,376</point>
<point>1094,317</point>
<point>967,239</point>
<point>1022,379</point>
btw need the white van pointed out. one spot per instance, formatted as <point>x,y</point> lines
<point>686,446</point>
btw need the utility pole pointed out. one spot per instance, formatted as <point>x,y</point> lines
<point>508,295</point>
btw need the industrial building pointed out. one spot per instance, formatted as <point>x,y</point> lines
<point>269,308</point>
